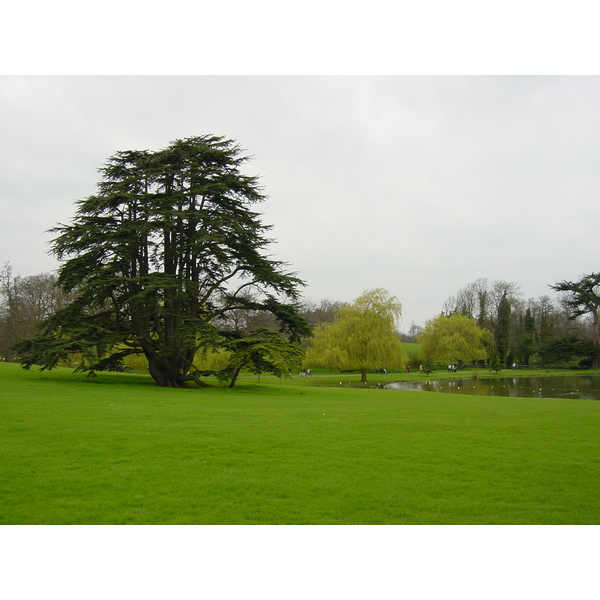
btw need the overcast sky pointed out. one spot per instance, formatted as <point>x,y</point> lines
<point>417,184</point>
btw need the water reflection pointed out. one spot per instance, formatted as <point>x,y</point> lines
<point>584,387</point>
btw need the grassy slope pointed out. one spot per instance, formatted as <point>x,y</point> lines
<point>120,450</point>
<point>411,348</point>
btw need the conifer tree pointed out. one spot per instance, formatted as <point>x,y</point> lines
<point>166,248</point>
<point>583,297</point>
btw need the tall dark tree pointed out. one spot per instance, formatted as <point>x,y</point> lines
<point>546,316</point>
<point>166,248</point>
<point>583,298</point>
<point>502,329</point>
<point>525,343</point>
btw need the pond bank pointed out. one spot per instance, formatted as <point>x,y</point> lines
<point>584,387</point>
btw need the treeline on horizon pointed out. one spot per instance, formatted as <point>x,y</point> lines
<point>541,330</point>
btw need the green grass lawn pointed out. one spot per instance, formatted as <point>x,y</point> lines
<point>118,450</point>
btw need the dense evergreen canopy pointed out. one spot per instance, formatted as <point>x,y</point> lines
<point>583,297</point>
<point>167,247</point>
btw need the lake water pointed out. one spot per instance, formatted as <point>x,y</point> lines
<point>584,387</point>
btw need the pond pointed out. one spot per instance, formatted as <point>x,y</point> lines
<point>584,387</point>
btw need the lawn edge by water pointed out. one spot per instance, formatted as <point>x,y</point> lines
<point>118,450</point>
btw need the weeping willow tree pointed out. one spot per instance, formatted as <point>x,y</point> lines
<point>456,338</point>
<point>362,336</point>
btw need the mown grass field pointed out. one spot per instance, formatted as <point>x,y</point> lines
<point>119,450</point>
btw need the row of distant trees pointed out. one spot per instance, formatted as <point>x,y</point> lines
<point>25,301</point>
<point>486,322</point>
<point>542,330</point>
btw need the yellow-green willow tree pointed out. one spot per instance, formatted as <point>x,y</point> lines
<point>362,336</point>
<point>456,338</point>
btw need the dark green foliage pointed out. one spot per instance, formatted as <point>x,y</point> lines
<point>525,342</point>
<point>428,367</point>
<point>263,351</point>
<point>502,333</point>
<point>583,297</point>
<point>166,247</point>
<point>565,351</point>
<point>494,361</point>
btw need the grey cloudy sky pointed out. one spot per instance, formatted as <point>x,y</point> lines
<point>418,184</point>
